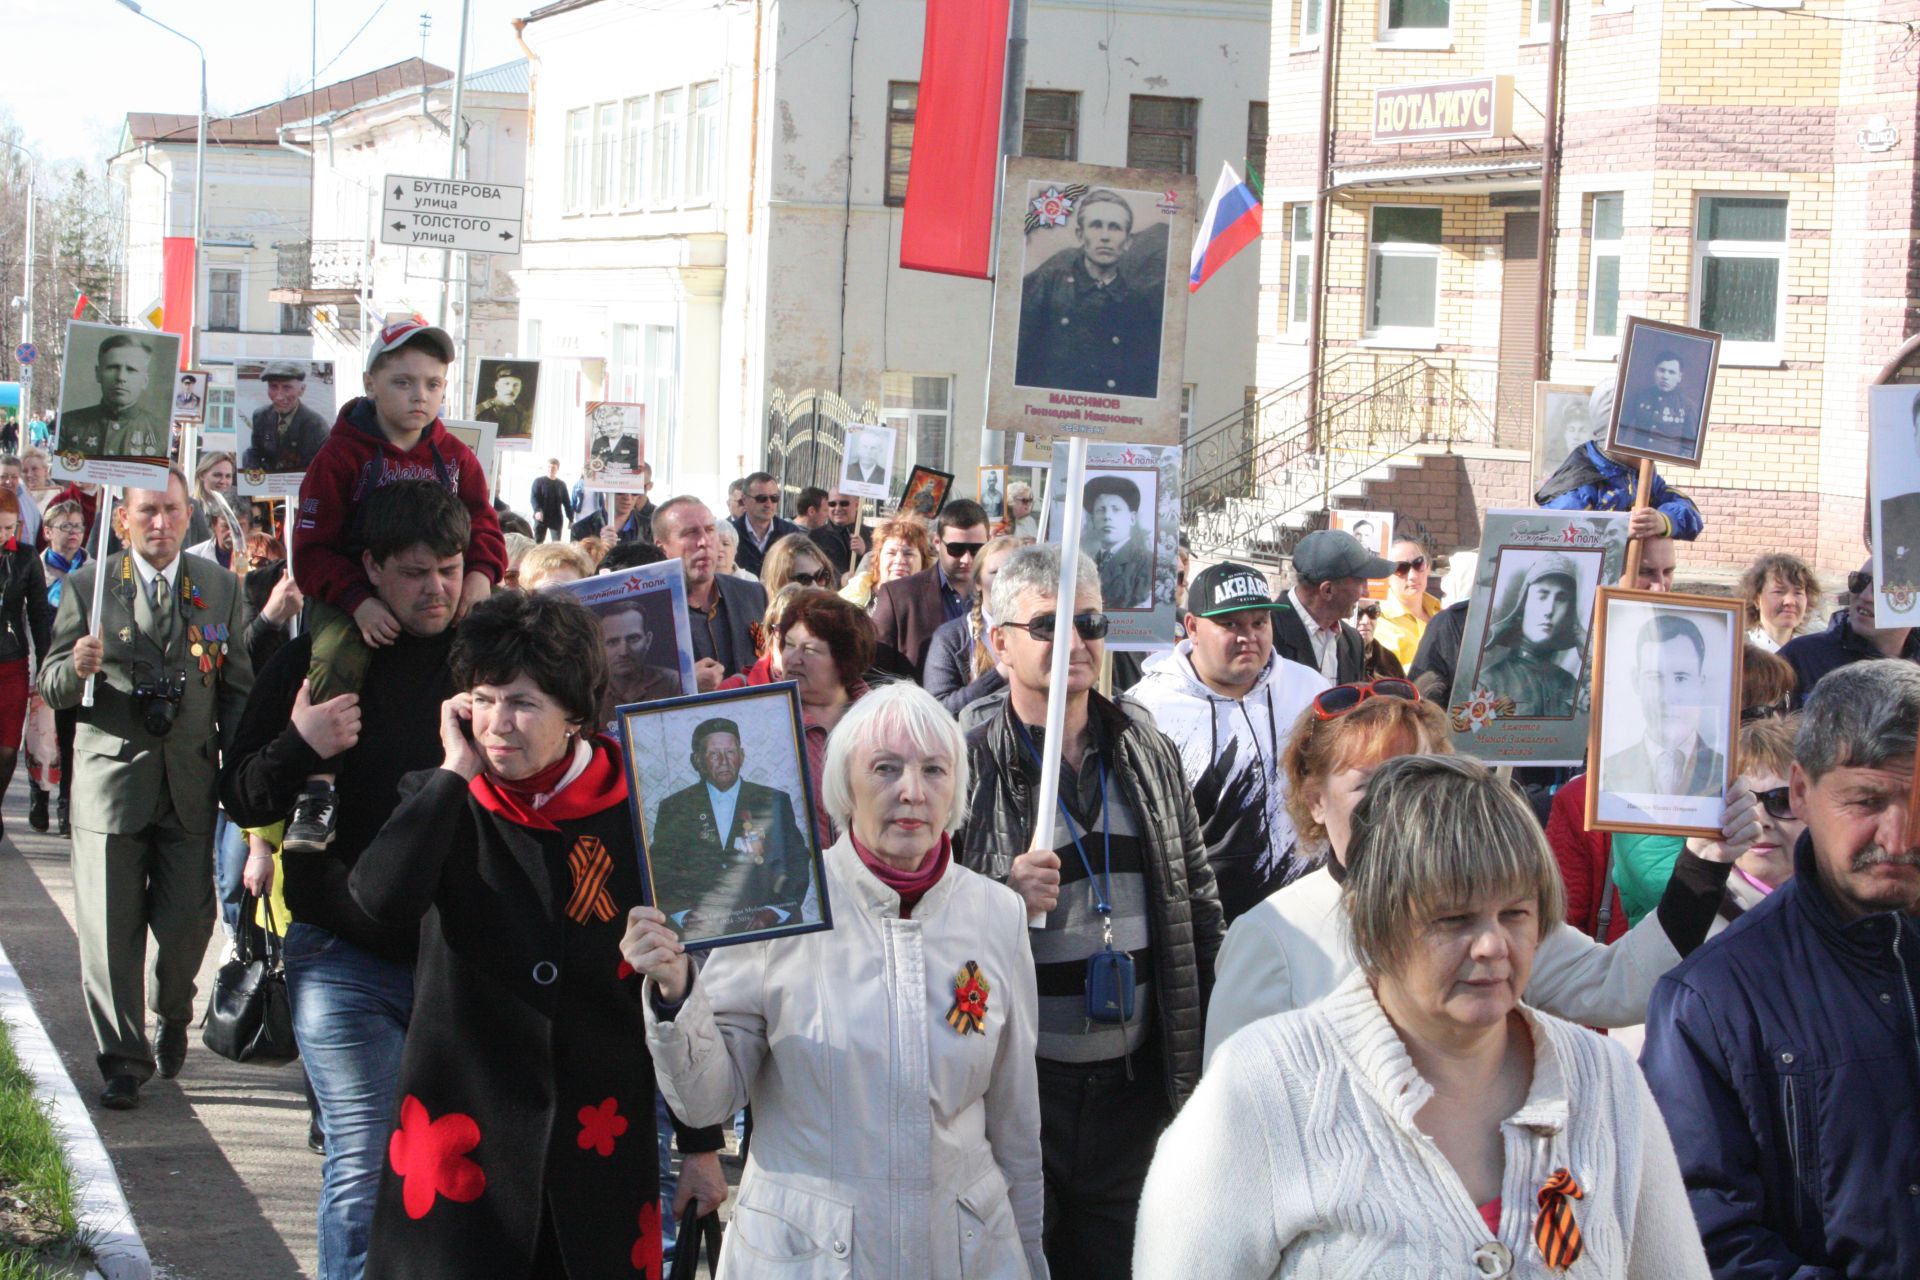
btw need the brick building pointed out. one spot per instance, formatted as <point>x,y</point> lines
<point>1740,165</point>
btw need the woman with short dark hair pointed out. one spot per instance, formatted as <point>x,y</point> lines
<point>1779,591</point>
<point>526,1142</point>
<point>826,645</point>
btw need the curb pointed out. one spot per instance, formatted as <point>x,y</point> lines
<point>102,1212</point>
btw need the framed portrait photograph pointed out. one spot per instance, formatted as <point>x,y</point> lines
<point>1033,452</point>
<point>926,491</point>
<point>643,623</point>
<point>115,419</point>
<point>993,493</point>
<point>1664,391</point>
<point>1893,426</point>
<point>477,436</point>
<point>723,815</point>
<point>1521,695</point>
<point>866,461</point>
<point>1666,686</point>
<point>616,447</point>
<point>1562,422</point>
<point>190,395</point>
<point>503,394</point>
<point>282,413</point>
<point>1090,308</point>
<point>1130,528</point>
<point>1374,529</point>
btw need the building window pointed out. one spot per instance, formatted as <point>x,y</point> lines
<point>703,143</point>
<point>903,100</point>
<point>1160,133</point>
<point>1257,146</point>
<point>662,395</point>
<point>1603,272</point>
<point>669,123</point>
<point>1403,274</point>
<point>292,319</point>
<point>638,145</point>
<point>1740,265</point>
<point>219,408</point>
<point>223,300</point>
<point>579,142</point>
<point>920,407</point>
<point>1542,19</point>
<point>606,154</point>
<point>1187,396</point>
<point>625,367</point>
<point>1311,18</point>
<point>1417,22</point>
<point>1050,128</point>
<point>1299,265</point>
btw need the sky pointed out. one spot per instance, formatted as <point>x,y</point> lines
<point>75,68</point>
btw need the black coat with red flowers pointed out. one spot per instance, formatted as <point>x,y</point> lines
<point>526,1086</point>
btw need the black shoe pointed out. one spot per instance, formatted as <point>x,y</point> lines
<point>62,827</point>
<point>170,1048</point>
<point>37,810</point>
<point>315,1142</point>
<point>310,829</point>
<point>121,1094</point>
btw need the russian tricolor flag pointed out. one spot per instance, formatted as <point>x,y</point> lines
<point>1232,222</point>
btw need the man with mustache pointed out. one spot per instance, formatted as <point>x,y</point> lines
<point>1783,1054</point>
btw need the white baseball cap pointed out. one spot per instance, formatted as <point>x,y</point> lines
<point>401,332</point>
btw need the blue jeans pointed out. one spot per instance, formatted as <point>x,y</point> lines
<point>669,1180</point>
<point>229,861</point>
<point>350,1013</point>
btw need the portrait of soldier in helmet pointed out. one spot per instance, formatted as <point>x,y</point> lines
<point>1536,642</point>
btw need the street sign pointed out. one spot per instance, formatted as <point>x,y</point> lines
<point>26,353</point>
<point>439,213</point>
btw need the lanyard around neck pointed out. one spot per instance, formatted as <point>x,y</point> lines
<point>1103,883</point>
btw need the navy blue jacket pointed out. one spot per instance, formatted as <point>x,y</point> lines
<point>1814,655</point>
<point>1785,1056</point>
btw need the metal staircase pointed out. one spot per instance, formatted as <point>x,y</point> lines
<point>1257,479</point>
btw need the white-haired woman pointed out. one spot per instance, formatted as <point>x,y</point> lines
<point>1421,1120</point>
<point>889,1060</point>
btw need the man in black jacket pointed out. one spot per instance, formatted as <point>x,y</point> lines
<point>721,609</point>
<point>1330,570</point>
<point>1125,961</point>
<point>761,525</point>
<point>552,504</point>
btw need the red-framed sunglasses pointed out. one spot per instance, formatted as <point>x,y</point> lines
<point>1342,698</point>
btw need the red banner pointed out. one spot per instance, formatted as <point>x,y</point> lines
<point>176,292</point>
<point>953,176</point>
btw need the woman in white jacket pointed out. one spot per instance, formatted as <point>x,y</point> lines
<point>890,1059</point>
<point>1421,1121</point>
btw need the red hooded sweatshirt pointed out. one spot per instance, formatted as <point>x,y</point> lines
<point>357,459</point>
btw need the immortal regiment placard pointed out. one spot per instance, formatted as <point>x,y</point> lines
<point>1374,529</point>
<point>1894,426</point>
<point>282,413</point>
<point>1663,394</point>
<point>616,446</point>
<point>1522,694</point>
<point>643,621</point>
<point>116,405</point>
<point>1130,528</point>
<point>866,461</point>
<point>1090,304</point>
<point>480,437</point>
<point>503,394</point>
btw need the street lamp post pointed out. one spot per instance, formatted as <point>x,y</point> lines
<point>199,182</point>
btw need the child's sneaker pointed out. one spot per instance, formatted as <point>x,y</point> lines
<point>310,829</point>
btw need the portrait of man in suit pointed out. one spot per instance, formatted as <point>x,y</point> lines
<point>634,649</point>
<point>121,424</point>
<point>1900,529</point>
<point>1674,697</point>
<point>286,431</point>
<point>726,854</point>
<point>868,468</point>
<point>1121,548</point>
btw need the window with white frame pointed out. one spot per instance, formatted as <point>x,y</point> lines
<point>219,408</point>
<point>1312,17</point>
<point>1188,393</point>
<point>1604,223</point>
<point>626,369</point>
<point>1541,15</point>
<point>579,143</point>
<point>1403,274</point>
<point>1416,22</point>
<point>703,143</point>
<point>662,395</point>
<point>606,154</point>
<point>920,407</point>
<point>223,299</point>
<point>1739,272</point>
<point>669,126</point>
<point>638,144</point>
<point>1299,266</point>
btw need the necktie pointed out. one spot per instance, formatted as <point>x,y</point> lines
<point>1672,783</point>
<point>162,602</point>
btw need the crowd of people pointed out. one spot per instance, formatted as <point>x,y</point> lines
<point>1280,985</point>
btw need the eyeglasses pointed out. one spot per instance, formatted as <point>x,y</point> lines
<point>763,497</point>
<point>961,550</point>
<point>1774,800</point>
<point>66,528</point>
<point>1401,568</point>
<point>1342,698</point>
<point>1859,582</point>
<point>820,579</point>
<point>1089,626</point>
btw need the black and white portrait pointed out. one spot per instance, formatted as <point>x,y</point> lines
<point>190,395</point>
<point>1374,529</point>
<point>1562,422</point>
<point>116,403</point>
<point>1536,642</point>
<point>616,447</point>
<point>866,461</point>
<point>1894,427</point>
<point>1667,707</point>
<point>993,493</point>
<point>1665,391</point>
<point>1119,531</point>
<point>719,793</point>
<point>503,394</point>
<point>1130,529</point>
<point>643,623</point>
<point>283,412</point>
<point>1093,290</point>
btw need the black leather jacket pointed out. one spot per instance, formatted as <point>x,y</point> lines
<point>24,611</point>
<point>1185,922</point>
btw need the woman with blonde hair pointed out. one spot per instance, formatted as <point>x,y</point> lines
<point>960,666</point>
<point>554,564</point>
<point>796,559</point>
<point>213,473</point>
<point>901,548</point>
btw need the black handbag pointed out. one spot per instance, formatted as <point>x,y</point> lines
<point>249,1015</point>
<point>686,1243</point>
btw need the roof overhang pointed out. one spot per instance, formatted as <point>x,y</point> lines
<point>1493,171</point>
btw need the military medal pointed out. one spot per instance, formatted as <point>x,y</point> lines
<point>126,635</point>
<point>969,1012</point>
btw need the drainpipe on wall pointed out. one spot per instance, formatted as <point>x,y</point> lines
<point>1323,176</point>
<point>1549,196</point>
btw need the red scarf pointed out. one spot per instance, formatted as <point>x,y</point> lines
<point>910,885</point>
<point>600,786</point>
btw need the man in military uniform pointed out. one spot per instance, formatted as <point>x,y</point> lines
<point>631,677</point>
<point>1117,543</point>
<point>1089,317</point>
<point>117,427</point>
<point>286,434</point>
<point>515,419</point>
<point>1539,623</point>
<point>726,854</point>
<point>1659,419</point>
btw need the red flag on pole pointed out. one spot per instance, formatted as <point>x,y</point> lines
<point>79,304</point>
<point>176,292</point>
<point>953,177</point>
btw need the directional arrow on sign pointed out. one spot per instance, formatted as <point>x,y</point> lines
<point>399,226</point>
<point>398,192</point>
<point>506,235</point>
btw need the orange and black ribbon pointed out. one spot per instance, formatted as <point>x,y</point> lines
<point>1555,1231</point>
<point>591,866</point>
<point>969,1012</point>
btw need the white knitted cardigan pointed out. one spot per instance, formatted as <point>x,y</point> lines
<point>1298,1156</point>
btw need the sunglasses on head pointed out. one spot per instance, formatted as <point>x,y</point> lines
<point>961,550</point>
<point>1859,582</point>
<point>1090,626</point>
<point>1401,568</point>
<point>1774,800</point>
<point>821,579</point>
<point>1342,698</point>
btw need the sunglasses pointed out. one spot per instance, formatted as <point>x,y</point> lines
<point>763,497</point>
<point>1089,626</point>
<point>1774,800</point>
<point>1368,611</point>
<point>1342,698</point>
<point>1765,711</point>
<point>844,502</point>
<point>961,550</point>
<point>820,579</point>
<point>1401,568</point>
<point>1859,582</point>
